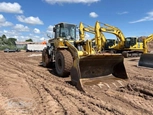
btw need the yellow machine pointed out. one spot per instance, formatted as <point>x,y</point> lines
<point>110,44</point>
<point>128,46</point>
<point>146,59</point>
<point>99,39</point>
<point>80,60</point>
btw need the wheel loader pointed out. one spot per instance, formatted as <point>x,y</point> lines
<point>146,59</point>
<point>80,60</point>
<point>128,46</point>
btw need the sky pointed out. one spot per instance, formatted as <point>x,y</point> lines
<point>24,19</point>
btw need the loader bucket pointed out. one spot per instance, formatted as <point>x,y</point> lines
<point>98,69</point>
<point>146,60</point>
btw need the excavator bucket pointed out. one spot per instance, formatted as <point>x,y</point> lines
<point>146,60</point>
<point>98,70</point>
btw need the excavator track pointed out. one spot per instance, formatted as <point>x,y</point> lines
<point>128,54</point>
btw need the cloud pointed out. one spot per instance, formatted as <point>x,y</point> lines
<point>20,36</point>
<point>3,21</point>
<point>10,33</point>
<point>87,36</point>
<point>42,38</point>
<point>5,24</point>
<point>50,29</point>
<point>36,31</point>
<point>121,13</point>
<point>30,20</point>
<point>93,15</point>
<point>20,27</point>
<point>149,17</point>
<point>71,1</point>
<point>10,7</point>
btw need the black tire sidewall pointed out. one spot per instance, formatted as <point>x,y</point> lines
<point>45,58</point>
<point>59,70</point>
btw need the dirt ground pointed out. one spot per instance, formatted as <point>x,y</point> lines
<point>28,88</point>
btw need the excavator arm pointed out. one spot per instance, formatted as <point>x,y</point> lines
<point>113,30</point>
<point>99,37</point>
<point>83,29</point>
<point>145,41</point>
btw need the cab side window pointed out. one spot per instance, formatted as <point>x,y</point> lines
<point>57,33</point>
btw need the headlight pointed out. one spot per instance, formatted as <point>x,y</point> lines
<point>61,39</point>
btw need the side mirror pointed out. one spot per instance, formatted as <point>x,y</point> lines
<point>54,30</point>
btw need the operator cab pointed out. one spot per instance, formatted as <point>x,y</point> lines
<point>65,31</point>
<point>110,42</point>
<point>130,41</point>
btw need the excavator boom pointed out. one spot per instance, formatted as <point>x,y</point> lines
<point>116,31</point>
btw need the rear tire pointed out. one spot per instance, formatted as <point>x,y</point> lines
<point>45,58</point>
<point>63,63</point>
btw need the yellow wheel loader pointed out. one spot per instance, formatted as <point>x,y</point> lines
<point>146,59</point>
<point>128,46</point>
<point>80,60</point>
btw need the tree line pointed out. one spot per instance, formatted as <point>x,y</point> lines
<point>9,42</point>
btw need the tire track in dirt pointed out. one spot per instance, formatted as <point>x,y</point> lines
<point>13,81</point>
<point>49,89</point>
<point>17,64</point>
<point>66,102</point>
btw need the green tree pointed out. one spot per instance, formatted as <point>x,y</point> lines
<point>4,39</point>
<point>29,40</point>
<point>11,41</point>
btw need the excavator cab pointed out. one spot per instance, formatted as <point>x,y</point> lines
<point>110,43</point>
<point>130,42</point>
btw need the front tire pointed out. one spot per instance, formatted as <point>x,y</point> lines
<point>63,63</point>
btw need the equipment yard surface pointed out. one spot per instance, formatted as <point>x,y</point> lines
<point>30,89</point>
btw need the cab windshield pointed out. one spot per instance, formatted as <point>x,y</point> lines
<point>69,31</point>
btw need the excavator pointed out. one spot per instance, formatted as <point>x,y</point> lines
<point>79,60</point>
<point>105,44</point>
<point>128,46</point>
<point>99,40</point>
<point>146,59</point>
